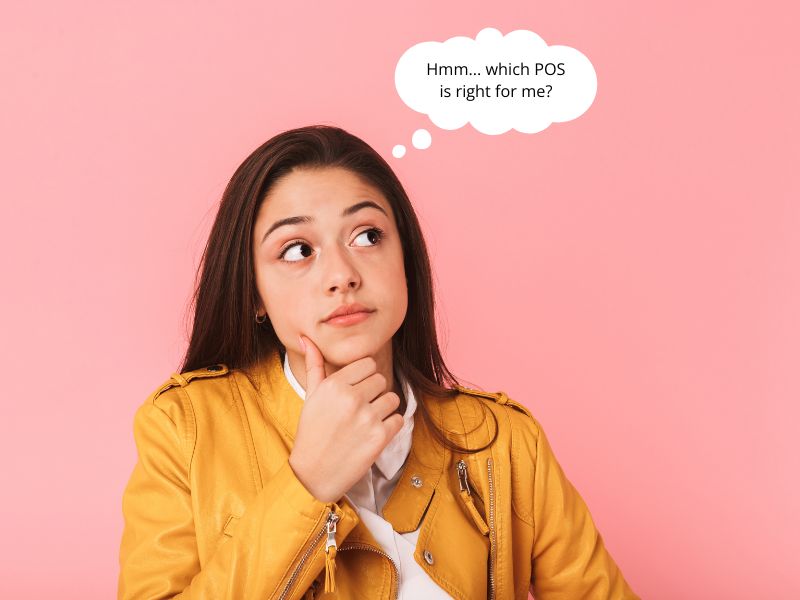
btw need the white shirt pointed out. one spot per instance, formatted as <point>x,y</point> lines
<point>369,494</point>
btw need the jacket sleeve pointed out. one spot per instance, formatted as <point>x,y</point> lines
<point>158,552</point>
<point>569,560</point>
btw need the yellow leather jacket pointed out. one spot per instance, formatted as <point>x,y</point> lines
<point>214,511</point>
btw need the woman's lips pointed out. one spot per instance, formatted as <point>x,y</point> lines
<point>350,319</point>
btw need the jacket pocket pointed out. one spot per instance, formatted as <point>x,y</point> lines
<point>230,525</point>
<point>468,498</point>
<point>473,512</point>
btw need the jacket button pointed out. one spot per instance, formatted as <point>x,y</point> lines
<point>416,481</point>
<point>428,557</point>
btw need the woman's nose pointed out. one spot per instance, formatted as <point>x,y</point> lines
<point>339,270</point>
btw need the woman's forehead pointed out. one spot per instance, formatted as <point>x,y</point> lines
<point>319,191</point>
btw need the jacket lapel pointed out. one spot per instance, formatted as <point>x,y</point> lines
<point>419,477</point>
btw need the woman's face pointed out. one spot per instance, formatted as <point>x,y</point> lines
<point>340,246</point>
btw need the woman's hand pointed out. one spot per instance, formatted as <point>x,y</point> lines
<point>346,422</point>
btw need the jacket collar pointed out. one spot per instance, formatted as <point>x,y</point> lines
<point>424,466</point>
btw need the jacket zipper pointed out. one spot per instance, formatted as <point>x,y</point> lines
<point>492,533</point>
<point>328,526</point>
<point>358,546</point>
<point>466,496</point>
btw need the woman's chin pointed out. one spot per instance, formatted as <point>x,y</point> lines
<point>345,351</point>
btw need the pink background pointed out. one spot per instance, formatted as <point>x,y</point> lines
<point>631,276</point>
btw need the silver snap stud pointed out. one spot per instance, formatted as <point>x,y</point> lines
<point>428,557</point>
<point>416,481</point>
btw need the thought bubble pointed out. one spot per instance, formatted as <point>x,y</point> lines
<point>496,83</point>
<point>421,139</point>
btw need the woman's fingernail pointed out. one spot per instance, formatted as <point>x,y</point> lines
<point>302,343</point>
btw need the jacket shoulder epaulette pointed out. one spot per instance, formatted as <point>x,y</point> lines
<point>183,379</point>
<point>499,397</point>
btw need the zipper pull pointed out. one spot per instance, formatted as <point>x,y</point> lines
<point>330,553</point>
<point>463,483</point>
<point>466,496</point>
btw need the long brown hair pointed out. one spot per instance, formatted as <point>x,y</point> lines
<point>224,329</point>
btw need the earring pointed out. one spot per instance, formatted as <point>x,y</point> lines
<point>263,318</point>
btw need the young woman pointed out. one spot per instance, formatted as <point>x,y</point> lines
<point>313,443</point>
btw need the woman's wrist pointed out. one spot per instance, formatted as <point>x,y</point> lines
<point>300,473</point>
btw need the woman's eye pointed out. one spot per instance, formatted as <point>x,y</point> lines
<point>290,255</point>
<point>297,251</point>
<point>376,236</point>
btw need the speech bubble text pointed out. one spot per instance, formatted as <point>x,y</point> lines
<point>496,83</point>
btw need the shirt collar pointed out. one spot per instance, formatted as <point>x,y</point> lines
<point>396,451</point>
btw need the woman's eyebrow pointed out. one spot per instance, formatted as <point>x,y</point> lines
<point>305,219</point>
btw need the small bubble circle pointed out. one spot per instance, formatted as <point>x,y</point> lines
<point>421,139</point>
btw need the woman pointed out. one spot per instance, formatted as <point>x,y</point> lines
<point>314,443</point>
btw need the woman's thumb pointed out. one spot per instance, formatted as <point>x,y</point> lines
<point>315,365</point>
